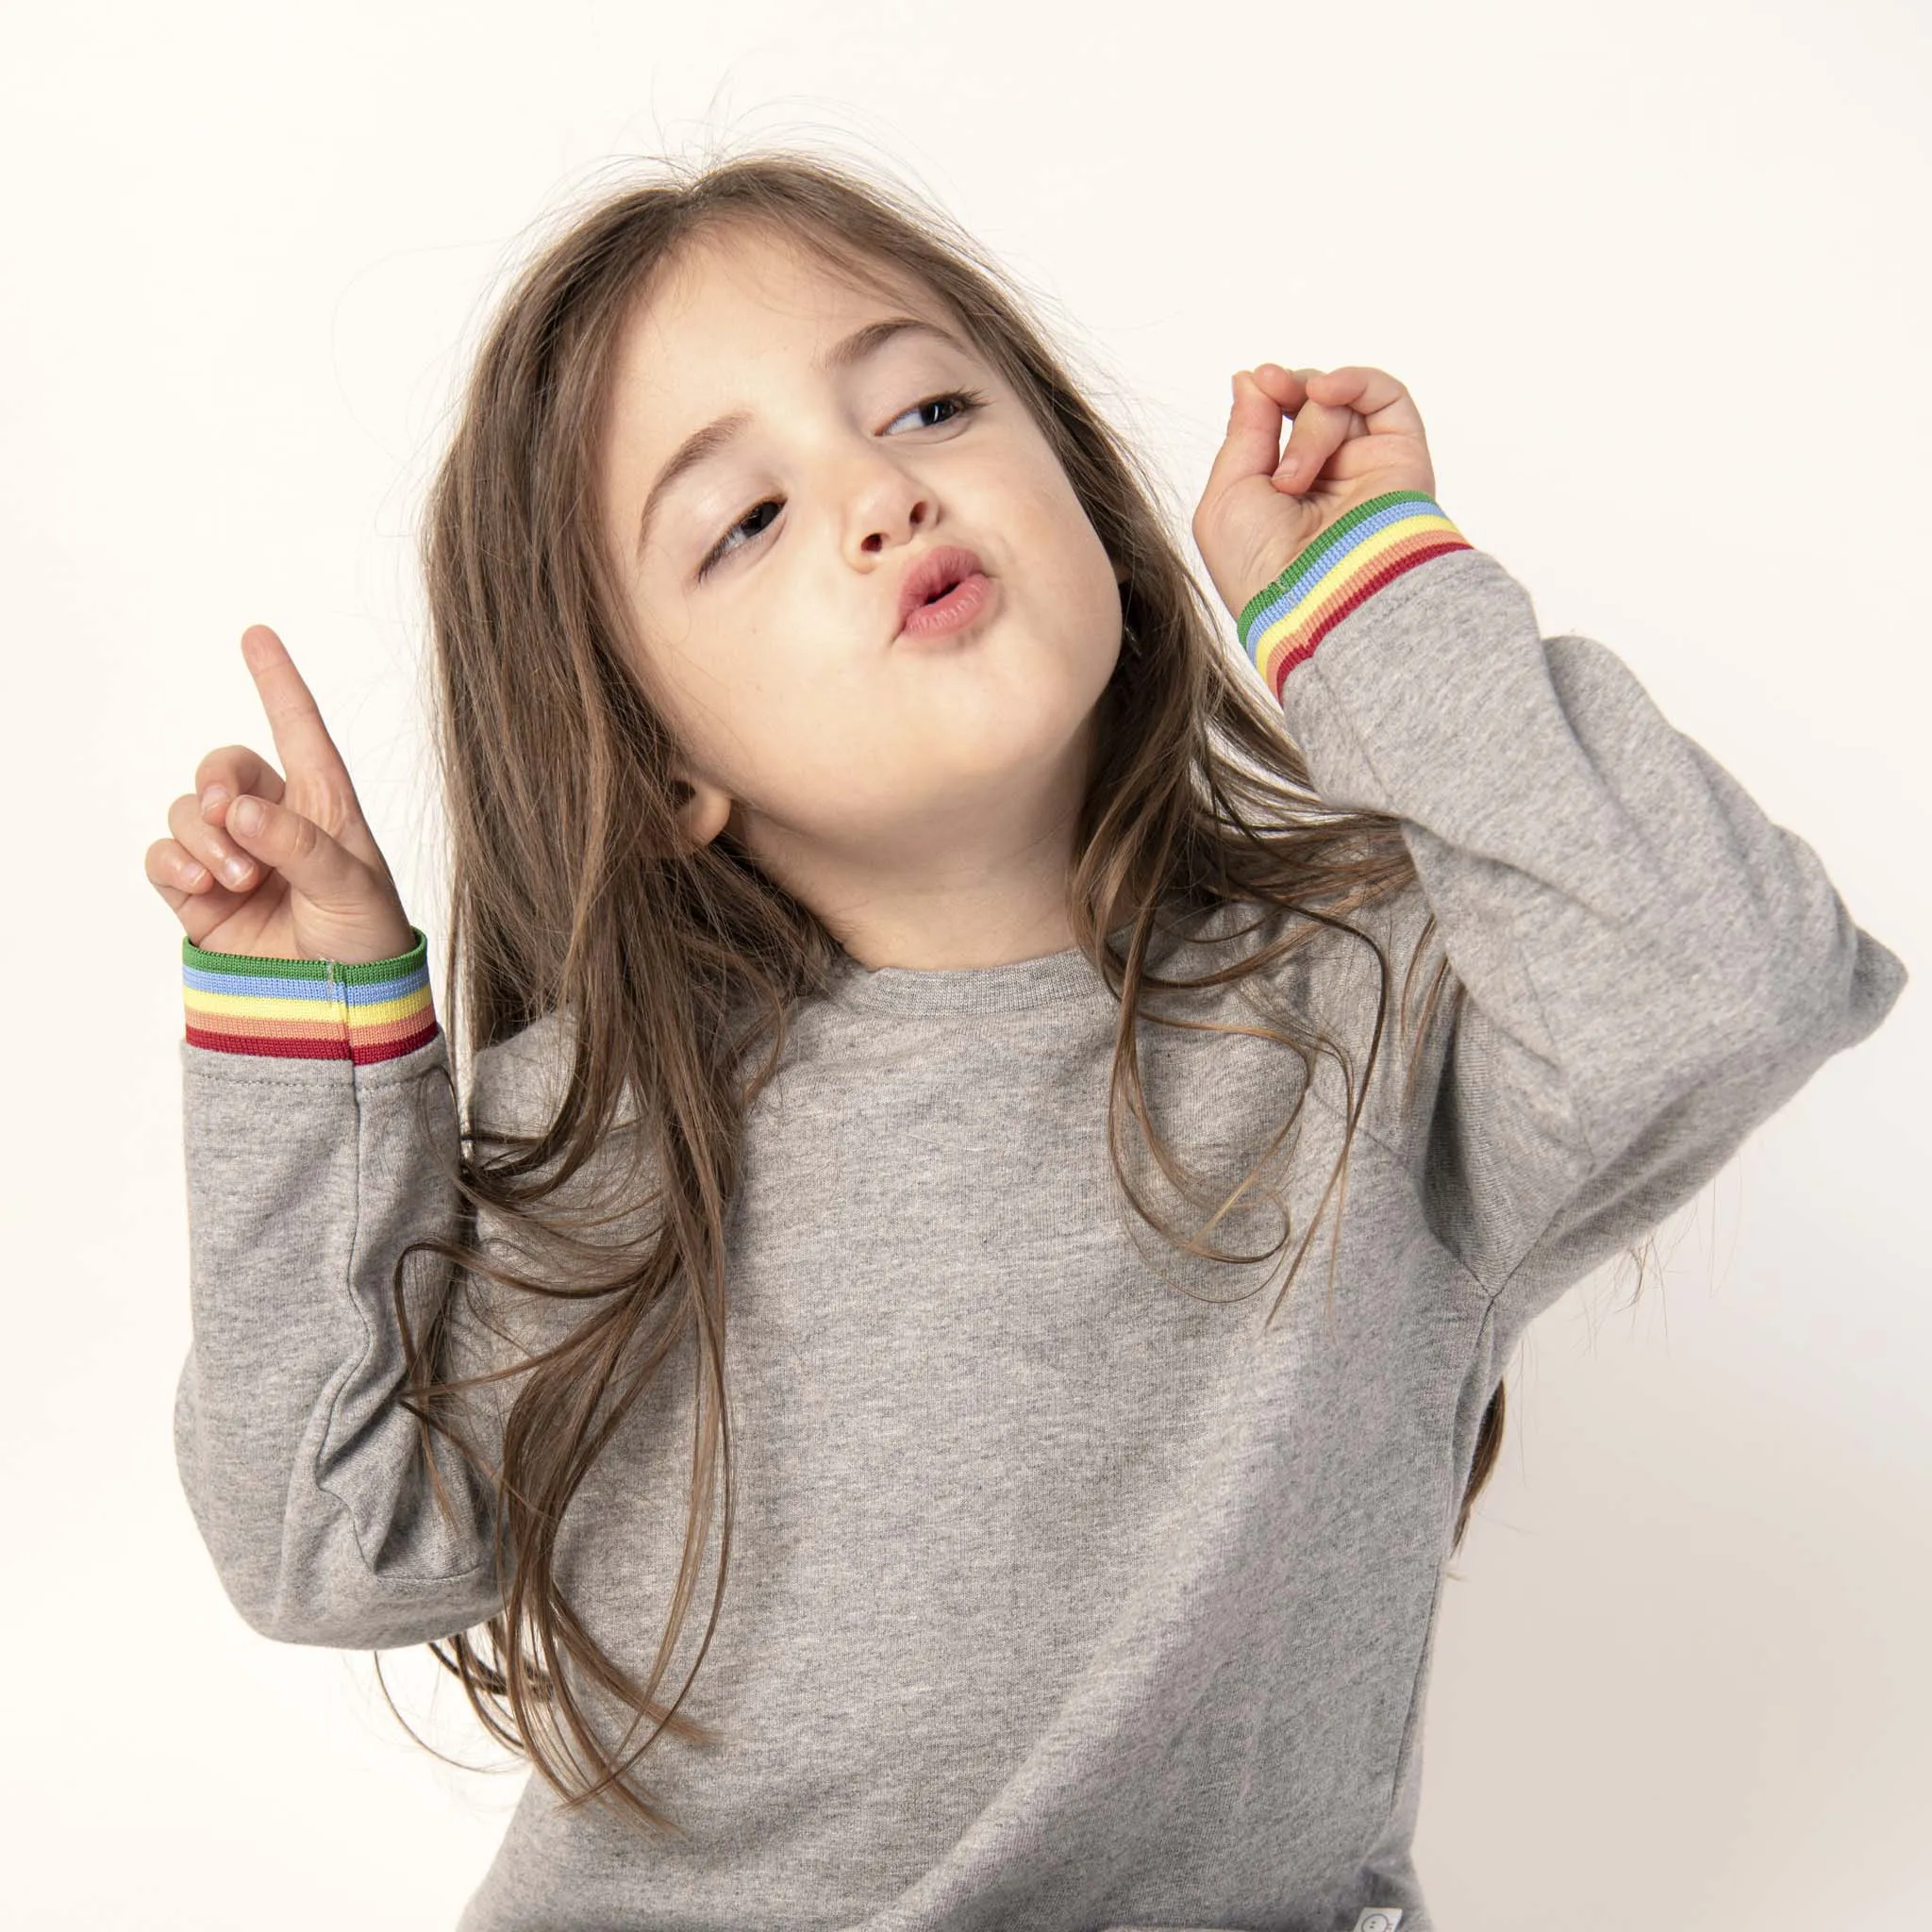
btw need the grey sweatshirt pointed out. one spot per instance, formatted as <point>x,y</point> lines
<point>1064,1593</point>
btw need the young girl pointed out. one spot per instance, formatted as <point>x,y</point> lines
<point>896,932</point>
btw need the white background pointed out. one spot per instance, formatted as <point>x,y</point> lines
<point>1656,275</point>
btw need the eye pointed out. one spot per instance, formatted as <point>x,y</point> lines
<point>965,402</point>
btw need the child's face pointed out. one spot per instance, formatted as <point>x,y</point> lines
<point>849,760</point>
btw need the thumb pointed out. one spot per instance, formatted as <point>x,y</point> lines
<point>1247,529</point>
<point>1252,446</point>
<point>314,864</point>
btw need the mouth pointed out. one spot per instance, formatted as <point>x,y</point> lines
<point>956,609</point>
<point>933,580</point>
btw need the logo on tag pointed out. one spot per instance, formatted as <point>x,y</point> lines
<point>1379,1919</point>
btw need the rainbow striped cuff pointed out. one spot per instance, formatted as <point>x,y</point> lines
<point>1340,570</point>
<point>308,1010</point>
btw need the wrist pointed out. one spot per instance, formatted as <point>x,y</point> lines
<point>250,1003</point>
<point>1370,546</point>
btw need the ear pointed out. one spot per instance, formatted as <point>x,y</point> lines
<point>705,811</point>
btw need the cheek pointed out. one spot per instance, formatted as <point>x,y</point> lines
<point>802,735</point>
<point>714,694</point>
<point>1067,571</point>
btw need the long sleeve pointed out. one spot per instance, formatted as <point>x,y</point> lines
<point>320,1132</point>
<point>1649,967</point>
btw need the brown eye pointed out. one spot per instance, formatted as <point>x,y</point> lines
<point>724,546</point>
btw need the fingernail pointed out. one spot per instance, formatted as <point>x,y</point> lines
<point>246,815</point>
<point>211,798</point>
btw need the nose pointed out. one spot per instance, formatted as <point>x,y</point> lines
<point>887,507</point>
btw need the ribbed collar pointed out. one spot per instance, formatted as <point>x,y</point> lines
<point>1047,978</point>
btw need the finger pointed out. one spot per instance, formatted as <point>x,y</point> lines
<point>302,739</point>
<point>1284,385</point>
<point>1322,425</point>
<point>176,872</point>
<point>1384,403</point>
<point>210,844</point>
<point>200,908</point>
<point>229,772</point>
<point>1253,440</point>
<point>305,854</point>
<point>1307,451</point>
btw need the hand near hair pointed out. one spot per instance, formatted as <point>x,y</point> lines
<point>1356,434</point>
<point>311,883</point>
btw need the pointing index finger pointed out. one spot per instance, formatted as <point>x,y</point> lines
<point>301,738</point>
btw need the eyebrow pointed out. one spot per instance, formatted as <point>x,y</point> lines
<point>700,445</point>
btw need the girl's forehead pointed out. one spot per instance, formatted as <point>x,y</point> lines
<point>723,296</point>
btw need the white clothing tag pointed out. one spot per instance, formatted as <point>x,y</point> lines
<point>1379,1919</point>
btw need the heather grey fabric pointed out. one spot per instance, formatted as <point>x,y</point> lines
<point>1064,1593</point>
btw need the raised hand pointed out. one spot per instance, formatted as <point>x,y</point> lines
<point>281,866</point>
<point>1356,434</point>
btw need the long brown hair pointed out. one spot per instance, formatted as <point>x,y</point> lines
<point>572,894</point>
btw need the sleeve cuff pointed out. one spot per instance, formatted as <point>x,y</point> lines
<point>1281,625</point>
<point>317,1010</point>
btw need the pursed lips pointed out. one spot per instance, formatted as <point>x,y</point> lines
<point>935,575</point>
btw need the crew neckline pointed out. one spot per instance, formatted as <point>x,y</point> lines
<point>1014,984</point>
